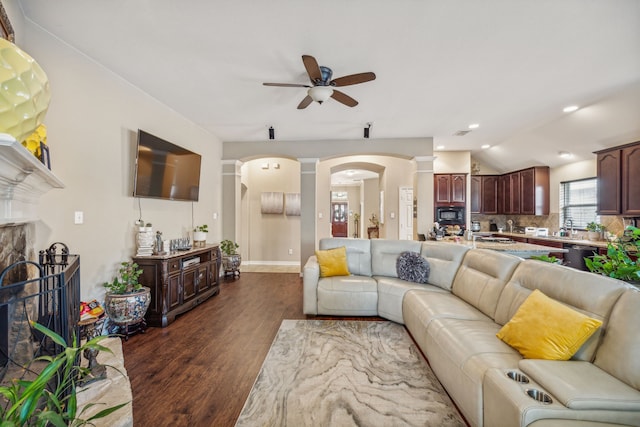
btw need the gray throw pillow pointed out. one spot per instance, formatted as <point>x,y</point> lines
<point>411,266</point>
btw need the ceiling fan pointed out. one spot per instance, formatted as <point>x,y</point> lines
<point>323,86</point>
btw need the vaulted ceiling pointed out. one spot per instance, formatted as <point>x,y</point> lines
<point>510,66</point>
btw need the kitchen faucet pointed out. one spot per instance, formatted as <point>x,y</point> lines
<point>569,221</point>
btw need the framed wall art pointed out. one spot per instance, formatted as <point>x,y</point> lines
<point>292,204</point>
<point>272,203</point>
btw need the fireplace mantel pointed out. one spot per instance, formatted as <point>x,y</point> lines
<point>23,179</point>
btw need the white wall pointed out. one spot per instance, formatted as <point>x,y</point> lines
<point>570,172</point>
<point>270,236</point>
<point>92,123</point>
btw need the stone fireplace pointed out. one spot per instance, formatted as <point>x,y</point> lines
<point>23,179</point>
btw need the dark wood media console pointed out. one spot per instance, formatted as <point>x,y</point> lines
<point>179,281</point>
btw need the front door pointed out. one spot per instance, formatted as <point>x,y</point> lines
<point>339,219</point>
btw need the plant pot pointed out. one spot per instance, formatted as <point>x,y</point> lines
<point>594,235</point>
<point>199,238</point>
<point>127,309</point>
<point>231,264</point>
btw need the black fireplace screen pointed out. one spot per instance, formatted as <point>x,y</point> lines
<point>51,297</point>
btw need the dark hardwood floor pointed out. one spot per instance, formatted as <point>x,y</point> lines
<point>199,370</point>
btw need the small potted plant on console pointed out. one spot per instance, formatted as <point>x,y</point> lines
<point>126,301</point>
<point>231,259</point>
<point>200,235</point>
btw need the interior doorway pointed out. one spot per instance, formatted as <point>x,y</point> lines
<point>339,225</point>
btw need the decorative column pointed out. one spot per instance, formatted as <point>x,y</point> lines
<point>308,232</point>
<point>423,191</point>
<point>231,200</point>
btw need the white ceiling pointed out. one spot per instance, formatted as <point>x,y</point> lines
<point>508,65</point>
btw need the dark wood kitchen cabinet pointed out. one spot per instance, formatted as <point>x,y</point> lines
<point>484,194</point>
<point>509,194</point>
<point>618,172</point>
<point>534,191</point>
<point>450,189</point>
<point>179,281</point>
<point>475,184</point>
<point>489,197</point>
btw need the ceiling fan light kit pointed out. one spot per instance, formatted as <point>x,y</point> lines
<point>322,84</point>
<point>320,93</point>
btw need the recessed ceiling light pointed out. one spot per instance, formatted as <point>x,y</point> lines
<point>565,154</point>
<point>485,146</point>
<point>474,126</point>
<point>570,108</point>
<point>439,147</point>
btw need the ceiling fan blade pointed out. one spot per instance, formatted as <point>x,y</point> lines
<point>312,67</point>
<point>285,84</point>
<point>353,79</point>
<point>305,102</point>
<point>344,98</point>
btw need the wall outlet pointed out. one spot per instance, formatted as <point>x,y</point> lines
<point>290,251</point>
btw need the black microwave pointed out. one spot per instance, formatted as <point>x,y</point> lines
<point>450,215</point>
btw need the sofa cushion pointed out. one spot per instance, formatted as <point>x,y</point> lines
<point>582,385</point>
<point>460,352</point>
<point>591,294</point>
<point>411,267</point>
<point>385,253</point>
<point>619,352</point>
<point>391,293</point>
<point>482,277</point>
<point>348,296</point>
<point>546,329</point>
<point>333,262</point>
<point>358,253</point>
<point>420,307</point>
<point>444,260</point>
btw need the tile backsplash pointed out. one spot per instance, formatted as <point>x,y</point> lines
<point>614,224</point>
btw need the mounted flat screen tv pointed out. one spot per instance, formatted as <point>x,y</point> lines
<point>165,170</point>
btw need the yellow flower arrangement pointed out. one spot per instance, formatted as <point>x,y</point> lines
<point>32,143</point>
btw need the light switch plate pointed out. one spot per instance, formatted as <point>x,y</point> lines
<point>78,217</point>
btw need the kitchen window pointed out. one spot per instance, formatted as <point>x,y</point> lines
<point>578,202</point>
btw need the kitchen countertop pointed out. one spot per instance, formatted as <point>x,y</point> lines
<point>523,250</point>
<point>581,242</point>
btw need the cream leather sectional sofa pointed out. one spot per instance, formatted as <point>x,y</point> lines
<point>454,319</point>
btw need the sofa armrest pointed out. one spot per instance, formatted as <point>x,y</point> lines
<point>310,278</point>
<point>582,385</point>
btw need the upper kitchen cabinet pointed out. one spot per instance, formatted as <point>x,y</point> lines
<point>484,194</point>
<point>450,189</point>
<point>509,194</point>
<point>618,174</point>
<point>534,194</point>
<point>524,192</point>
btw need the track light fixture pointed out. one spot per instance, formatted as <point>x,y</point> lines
<point>272,133</point>
<point>366,130</point>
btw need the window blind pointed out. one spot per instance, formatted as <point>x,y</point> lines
<point>579,202</point>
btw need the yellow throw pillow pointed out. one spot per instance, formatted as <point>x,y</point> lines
<point>543,328</point>
<point>333,262</point>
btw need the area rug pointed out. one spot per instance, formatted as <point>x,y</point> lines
<point>346,373</point>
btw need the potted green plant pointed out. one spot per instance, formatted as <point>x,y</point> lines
<point>50,398</point>
<point>620,260</point>
<point>126,301</point>
<point>231,259</point>
<point>595,230</point>
<point>200,234</point>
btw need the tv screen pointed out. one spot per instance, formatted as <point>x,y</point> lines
<point>164,170</point>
